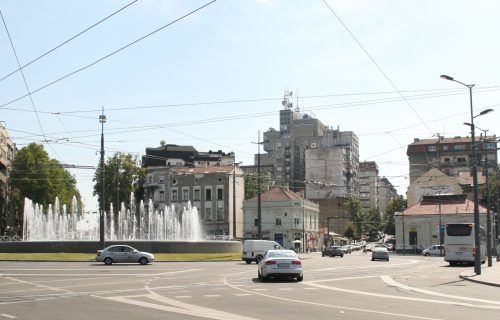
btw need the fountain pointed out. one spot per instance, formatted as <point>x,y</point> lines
<point>63,230</point>
<point>59,225</point>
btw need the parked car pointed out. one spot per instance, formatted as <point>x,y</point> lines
<point>380,253</point>
<point>123,253</point>
<point>346,249</point>
<point>435,250</point>
<point>333,251</point>
<point>280,263</point>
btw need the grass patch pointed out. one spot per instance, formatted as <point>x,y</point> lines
<point>91,256</point>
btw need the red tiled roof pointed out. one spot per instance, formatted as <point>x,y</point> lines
<point>447,207</point>
<point>278,194</point>
<point>208,169</point>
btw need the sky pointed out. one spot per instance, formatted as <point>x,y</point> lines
<point>215,77</point>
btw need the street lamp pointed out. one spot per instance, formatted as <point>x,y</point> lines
<point>477,257</point>
<point>102,120</point>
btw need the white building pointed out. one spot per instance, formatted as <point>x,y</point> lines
<point>287,218</point>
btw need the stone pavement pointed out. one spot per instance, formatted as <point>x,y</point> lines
<point>489,275</point>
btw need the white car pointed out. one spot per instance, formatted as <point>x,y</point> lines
<point>123,253</point>
<point>435,250</point>
<point>280,263</point>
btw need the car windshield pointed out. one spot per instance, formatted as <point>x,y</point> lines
<point>281,254</point>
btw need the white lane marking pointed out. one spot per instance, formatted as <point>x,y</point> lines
<point>183,297</point>
<point>332,306</point>
<point>310,288</point>
<point>388,296</point>
<point>285,289</point>
<point>171,305</point>
<point>8,316</point>
<point>242,294</point>
<point>377,266</point>
<point>342,279</point>
<point>390,281</point>
<point>212,295</point>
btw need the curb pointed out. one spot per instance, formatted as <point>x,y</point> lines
<point>471,279</point>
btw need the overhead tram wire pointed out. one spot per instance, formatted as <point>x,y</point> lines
<point>65,42</point>
<point>109,55</point>
<point>26,83</point>
<point>377,65</point>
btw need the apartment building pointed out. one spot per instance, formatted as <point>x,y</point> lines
<point>7,153</point>
<point>452,156</point>
<point>210,181</point>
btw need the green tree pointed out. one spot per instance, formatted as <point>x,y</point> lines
<point>356,214</point>
<point>41,179</point>
<point>251,185</point>
<point>395,205</point>
<point>123,174</point>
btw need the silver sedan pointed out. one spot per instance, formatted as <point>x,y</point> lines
<point>123,253</point>
<point>280,263</point>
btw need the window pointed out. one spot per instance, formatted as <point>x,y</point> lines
<point>459,147</point>
<point>220,214</point>
<point>278,221</point>
<point>161,179</point>
<point>445,148</point>
<point>208,194</point>
<point>197,195</point>
<point>296,221</point>
<point>150,179</point>
<point>461,160</point>
<point>432,148</point>
<point>256,222</point>
<point>208,214</point>
<point>219,194</point>
<point>162,195</point>
<point>185,194</point>
<point>174,195</point>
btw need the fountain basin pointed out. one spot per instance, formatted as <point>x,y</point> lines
<point>163,246</point>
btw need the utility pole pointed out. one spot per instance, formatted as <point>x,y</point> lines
<point>102,120</point>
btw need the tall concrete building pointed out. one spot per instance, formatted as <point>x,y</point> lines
<point>312,158</point>
<point>369,184</point>
<point>7,153</point>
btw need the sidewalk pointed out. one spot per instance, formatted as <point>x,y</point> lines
<point>489,275</point>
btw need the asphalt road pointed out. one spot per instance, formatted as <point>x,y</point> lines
<point>353,287</point>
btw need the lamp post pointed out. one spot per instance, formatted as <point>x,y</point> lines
<point>477,241</point>
<point>102,120</point>
<point>234,195</point>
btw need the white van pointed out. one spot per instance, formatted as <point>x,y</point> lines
<point>254,250</point>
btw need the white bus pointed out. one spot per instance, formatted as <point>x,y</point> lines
<point>459,243</point>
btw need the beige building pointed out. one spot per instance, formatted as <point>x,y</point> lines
<point>418,226</point>
<point>287,218</point>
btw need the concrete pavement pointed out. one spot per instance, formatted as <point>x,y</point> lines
<point>489,275</point>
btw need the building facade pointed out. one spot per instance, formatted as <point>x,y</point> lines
<point>7,153</point>
<point>286,217</point>
<point>369,185</point>
<point>211,182</point>
<point>452,156</point>
<point>418,227</point>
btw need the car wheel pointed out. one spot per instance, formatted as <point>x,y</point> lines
<point>108,261</point>
<point>248,261</point>
<point>264,279</point>
<point>258,258</point>
<point>143,261</point>
<point>373,259</point>
<point>342,256</point>
<point>427,254</point>
<point>300,278</point>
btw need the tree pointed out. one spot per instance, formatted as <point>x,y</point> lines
<point>41,179</point>
<point>395,205</point>
<point>251,185</point>
<point>123,174</point>
<point>355,210</point>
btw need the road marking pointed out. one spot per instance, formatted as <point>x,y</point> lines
<point>332,306</point>
<point>285,289</point>
<point>212,295</point>
<point>377,266</point>
<point>183,297</point>
<point>171,305</point>
<point>242,294</point>
<point>8,316</point>
<point>390,281</point>
<point>388,296</point>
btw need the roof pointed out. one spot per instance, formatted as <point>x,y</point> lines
<point>442,140</point>
<point>441,205</point>
<point>200,170</point>
<point>278,194</point>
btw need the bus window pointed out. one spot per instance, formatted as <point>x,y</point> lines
<point>458,230</point>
